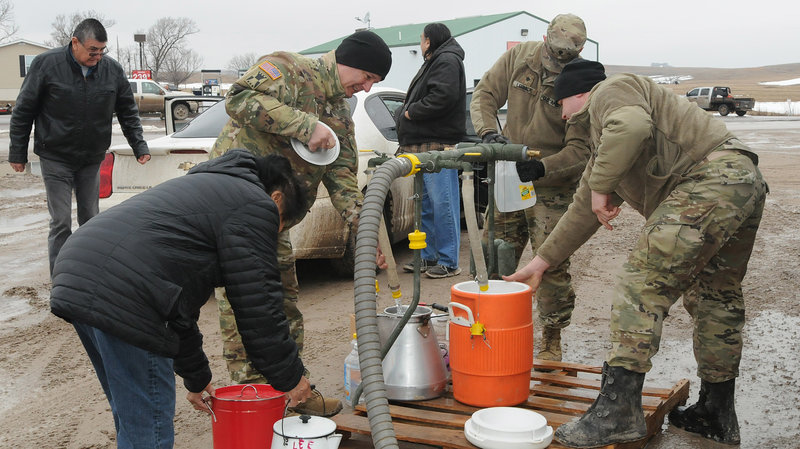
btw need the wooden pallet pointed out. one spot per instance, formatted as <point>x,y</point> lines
<point>559,396</point>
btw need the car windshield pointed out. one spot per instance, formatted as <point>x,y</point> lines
<point>207,124</point>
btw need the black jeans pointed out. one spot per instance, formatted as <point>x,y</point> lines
<point>60,180</point>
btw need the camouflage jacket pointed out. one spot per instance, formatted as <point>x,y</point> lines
<point>534,117</point>
<point>282,96</point>
<point>644,141</point>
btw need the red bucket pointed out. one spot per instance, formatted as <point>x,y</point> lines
<point>243,416</point>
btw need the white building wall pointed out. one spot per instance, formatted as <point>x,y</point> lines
<point>481,47</point>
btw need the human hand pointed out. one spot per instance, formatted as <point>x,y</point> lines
<point>493,137</point>
<point>19,168</point>
<point>198,401</point>
<point>321,138</point>
<point>380,260</point>
<point>143,159</point>
<point>530,170</point>
<point>300,392</point>
<point>602,207</point>
<point>530,274</point>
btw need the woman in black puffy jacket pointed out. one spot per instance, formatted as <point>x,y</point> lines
<point>132,281</point>
<point>433,118</point>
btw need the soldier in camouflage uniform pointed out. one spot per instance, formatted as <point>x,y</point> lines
<point>524,78</point>
<point>702,194</point>
<point>283,96</point>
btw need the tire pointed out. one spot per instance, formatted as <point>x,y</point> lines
<point>741,113</point>
<point>180,111</point>
<point>723,110</point>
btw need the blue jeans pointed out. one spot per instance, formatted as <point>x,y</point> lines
<point>441,217</point>
<point>139,386</point>
<point>59,181</point>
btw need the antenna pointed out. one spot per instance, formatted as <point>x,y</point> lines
<point>365,20</point>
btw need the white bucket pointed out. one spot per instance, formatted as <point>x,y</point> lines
<point>511,194</point>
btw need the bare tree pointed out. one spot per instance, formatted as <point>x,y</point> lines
<point>7,26</point>
<point>166,36</point>
<point>64,26</point>
<point>242,62</point>
<point>128,57</point>
<point>179,66</point>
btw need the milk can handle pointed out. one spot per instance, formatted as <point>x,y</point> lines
<point>460,320</point>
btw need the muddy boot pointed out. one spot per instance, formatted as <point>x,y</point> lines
<point>550,348</point>
<point>318,405</point>
<point>714,414</point>
<point>616,416</point>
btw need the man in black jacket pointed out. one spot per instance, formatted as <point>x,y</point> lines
<point>133,279</point>
<point>71,94</point>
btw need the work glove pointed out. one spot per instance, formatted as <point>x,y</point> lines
<point>493,137</point>
<point>530,170</point>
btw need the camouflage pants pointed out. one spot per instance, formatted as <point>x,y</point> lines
<point>555,298</point>
<point>697,243</point>
<point>239,367</point>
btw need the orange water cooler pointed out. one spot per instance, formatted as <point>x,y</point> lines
<point>491,343</point>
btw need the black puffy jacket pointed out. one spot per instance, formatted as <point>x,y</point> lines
<point>436,99</point>
<point>72,114</point>
<point>142,270</point>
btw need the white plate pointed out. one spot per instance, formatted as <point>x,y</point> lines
<point>508,428</point>
<point>319,157</point>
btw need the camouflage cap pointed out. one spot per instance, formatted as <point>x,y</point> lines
<point>566,35</point>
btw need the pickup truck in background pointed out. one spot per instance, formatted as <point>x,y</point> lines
<point>151,97</point>
<point>720,99</point>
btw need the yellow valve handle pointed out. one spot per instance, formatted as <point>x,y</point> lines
<point>477,329</point>
<point>415,163</point>
<point>416,240</point>
<point>377,287</point>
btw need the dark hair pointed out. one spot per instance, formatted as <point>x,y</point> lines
<point>90,29</point>
<point>276,173</point>
<point>438,33</point>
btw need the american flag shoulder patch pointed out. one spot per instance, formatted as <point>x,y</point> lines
<point>270,70</point>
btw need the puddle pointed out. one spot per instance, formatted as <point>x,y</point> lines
<point>23,223</point>
<point>11,306</point>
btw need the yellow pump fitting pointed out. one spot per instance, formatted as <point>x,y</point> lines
<point>483,288</point>
<point>396,294</point>
<point>415,163</point>
<point>477,329</point>
<point>416,240</point>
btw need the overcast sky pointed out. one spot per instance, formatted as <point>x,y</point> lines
<point>682,33</point>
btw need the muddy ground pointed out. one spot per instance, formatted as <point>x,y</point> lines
<point>50,397</point>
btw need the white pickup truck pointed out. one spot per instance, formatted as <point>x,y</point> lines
<point>720,99</point>
<point>150,98</point>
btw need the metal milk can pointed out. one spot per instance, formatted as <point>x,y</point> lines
<point>413,369</point>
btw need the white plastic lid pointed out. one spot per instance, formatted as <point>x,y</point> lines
<point>319,157</point>
<point>508,427</point>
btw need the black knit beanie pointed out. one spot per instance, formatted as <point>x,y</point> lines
<point>365,50</point>
<point>577,77</point>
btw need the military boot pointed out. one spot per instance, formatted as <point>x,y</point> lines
<point>714,414</point>
<point>318,405</point>
<point>550,348</point>
<point>616,416</point>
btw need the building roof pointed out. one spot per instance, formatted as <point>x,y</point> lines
<point>25,41</point>
<point>405,35</point>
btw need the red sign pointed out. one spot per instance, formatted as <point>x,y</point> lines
<point>141,75</point>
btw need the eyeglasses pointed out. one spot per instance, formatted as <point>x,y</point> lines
<point>94,51</point>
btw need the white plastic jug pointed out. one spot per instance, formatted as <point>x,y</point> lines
<point>511,194</point>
